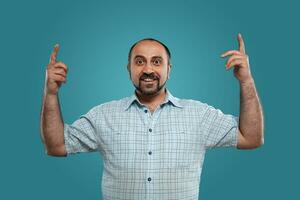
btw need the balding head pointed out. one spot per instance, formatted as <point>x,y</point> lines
<point>151,40</point>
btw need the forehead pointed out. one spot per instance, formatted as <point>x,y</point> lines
<point>149,48</point>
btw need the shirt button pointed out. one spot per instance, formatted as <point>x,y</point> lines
<point>149,179</point>
<point>150,130</point>
<point>145,111</point>
<point>150,152</point>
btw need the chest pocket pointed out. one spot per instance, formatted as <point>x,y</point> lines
<point>125,150</point>
<point>180,149</point>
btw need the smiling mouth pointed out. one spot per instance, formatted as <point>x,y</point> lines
<point>148,80</point>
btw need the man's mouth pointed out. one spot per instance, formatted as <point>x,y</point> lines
<point>148,80</point>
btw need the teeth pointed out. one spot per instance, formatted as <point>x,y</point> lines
<point>148,79</point>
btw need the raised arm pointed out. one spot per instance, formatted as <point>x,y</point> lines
<point>52,126</point>
<point>251,122</point>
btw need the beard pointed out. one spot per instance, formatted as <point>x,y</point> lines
<point>149,85</point>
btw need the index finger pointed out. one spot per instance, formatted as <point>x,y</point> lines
<point>54,54</point>
<point>241,44</point>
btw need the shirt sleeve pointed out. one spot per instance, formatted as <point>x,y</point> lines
<point>80,136</point>
<point>221,129</point>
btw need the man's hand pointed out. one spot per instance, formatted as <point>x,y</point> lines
<point>56,73</point>
<point>240,61</point>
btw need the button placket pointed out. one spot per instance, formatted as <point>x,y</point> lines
<point>148,178</point>
<point>150,152</point>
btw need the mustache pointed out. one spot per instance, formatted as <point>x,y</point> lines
<point>151,76</point>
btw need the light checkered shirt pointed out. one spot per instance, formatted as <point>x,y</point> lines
<point>151,156</point>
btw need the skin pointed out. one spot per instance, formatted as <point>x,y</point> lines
<point>52,127</point>
<point>251,122</point>
<point>149,60</point>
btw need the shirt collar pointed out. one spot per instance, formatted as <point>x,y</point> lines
<point>169,98</point>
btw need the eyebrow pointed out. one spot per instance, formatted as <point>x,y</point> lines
<point>138,56</point>
<point>141,56</point>
<point>154,57</point>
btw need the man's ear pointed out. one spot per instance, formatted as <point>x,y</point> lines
<point>128,69</point>
<point>169,70</point>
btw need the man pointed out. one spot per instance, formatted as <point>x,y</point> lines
<point>152,143</point>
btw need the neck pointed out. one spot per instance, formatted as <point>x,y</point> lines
<point>152,101</point>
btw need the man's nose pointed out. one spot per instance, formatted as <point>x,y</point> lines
<point>148,69</point>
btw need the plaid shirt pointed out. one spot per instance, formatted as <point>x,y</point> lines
<point>148,155</point>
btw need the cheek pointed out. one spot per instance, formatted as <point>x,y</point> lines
<point>164,74</point>
<point>135,75</point>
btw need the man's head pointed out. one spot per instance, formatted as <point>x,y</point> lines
<point>149,66</point>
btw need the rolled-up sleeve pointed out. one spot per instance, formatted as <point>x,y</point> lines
<point>80,136</point>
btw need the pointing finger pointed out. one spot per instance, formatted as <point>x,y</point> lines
<point>54,54</point>
<point>241,44</point>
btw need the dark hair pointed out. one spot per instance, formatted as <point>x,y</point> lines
<point>154,40</point>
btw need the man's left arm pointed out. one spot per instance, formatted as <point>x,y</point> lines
<point>251,122</point>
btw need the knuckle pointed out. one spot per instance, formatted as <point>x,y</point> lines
<point>60,70</point>
<point>62,65</point>
<point>59,63</point>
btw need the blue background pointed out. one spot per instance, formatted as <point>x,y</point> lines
<point>95,37</point>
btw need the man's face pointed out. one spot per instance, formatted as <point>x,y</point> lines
<point>149,68</point>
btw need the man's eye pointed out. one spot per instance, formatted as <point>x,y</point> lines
<point>139,62</point>
<point>156,62</point>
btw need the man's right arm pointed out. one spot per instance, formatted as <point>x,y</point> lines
<point>52,126</point>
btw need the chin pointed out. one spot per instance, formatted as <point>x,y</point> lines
<point>149,92</point>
